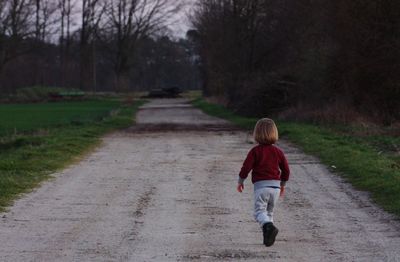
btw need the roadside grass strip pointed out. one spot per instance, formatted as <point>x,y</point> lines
<point>50,141</point>
<point>359,159</point>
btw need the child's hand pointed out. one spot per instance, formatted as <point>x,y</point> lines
<point>282,191</point>
<point>240,188</point>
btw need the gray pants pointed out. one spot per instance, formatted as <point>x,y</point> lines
<point>265,200</point>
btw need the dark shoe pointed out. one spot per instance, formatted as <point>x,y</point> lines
<point>269,232</point>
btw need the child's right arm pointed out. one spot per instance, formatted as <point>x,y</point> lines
<point>246,168</point>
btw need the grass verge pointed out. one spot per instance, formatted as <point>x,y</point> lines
<point>28,158</point>
<point>359,159</point>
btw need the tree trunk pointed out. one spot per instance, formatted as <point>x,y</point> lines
<point>121,83</point>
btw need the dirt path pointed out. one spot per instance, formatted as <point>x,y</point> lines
<point>165,191</point>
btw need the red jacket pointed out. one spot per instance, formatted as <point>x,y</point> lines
<point>267,162</point>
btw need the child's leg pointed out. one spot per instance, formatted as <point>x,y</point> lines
<point>265,201</point>
<point>260,206</point>
<point>261,199</point>
<point>272,201</point>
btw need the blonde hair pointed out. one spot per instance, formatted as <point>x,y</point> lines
<point>265,132</point>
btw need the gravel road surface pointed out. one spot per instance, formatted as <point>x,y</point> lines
<point>164,190</point>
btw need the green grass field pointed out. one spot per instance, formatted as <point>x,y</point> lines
<point>370,162</point>
<point>16,118</point>
<point>49,137</point>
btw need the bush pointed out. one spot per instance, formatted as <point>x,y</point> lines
<point>34,94</point>
<point>43,94</point>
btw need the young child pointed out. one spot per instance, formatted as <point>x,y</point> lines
<point>269,176</point>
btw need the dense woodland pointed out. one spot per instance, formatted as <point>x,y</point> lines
<point>93,45</point>
<point>321,60</point>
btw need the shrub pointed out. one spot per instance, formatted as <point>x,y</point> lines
<point>44,93</point>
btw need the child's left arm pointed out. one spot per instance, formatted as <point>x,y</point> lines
<point>240,188</point>
<point>283,184</point>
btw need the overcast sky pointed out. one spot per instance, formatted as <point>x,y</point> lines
<point>178,27</point>
<point>182,24</point>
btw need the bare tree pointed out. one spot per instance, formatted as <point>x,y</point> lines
<point>66,8</point>
<point>265,56</point>
<point>44,18</point>
<point>29,54</point>
<point>126,22</point>
<point>92,12</point>
<point>15,26</point>
<point>4,17</point>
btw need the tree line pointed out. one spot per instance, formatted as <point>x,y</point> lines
<point>93,45</point>
<point>326,60</point>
